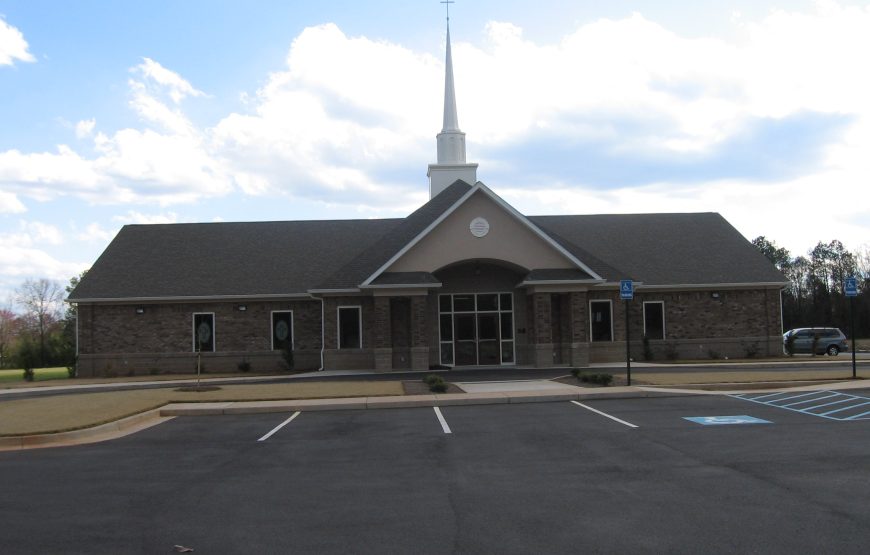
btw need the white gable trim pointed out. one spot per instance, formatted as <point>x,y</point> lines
<point>479,186</point>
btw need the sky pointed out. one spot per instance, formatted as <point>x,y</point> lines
<point>115,113</point>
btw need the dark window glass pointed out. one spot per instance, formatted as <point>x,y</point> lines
<point>447,353</point>
<point>282,330</point>
<point>507,351</point>
<point>463,303</point>
<point>600,315</point>
<point>507,328</point>
<point>654,320</point>
<point>445,304</point>
<point>446,327</point>
<point>487,302</point>
<point>487,326</point>
<point>463,326</point>
<point>507,301</point>
<point>203,332</point>
<point>349,332</point>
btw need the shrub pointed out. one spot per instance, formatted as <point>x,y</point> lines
<point>28,374</point>
<point>244,365</point>
<point>713,354</point>
<point>72,370</point>
<point>154,371</point>
<point>789,344</point>
<point>287,356</point>
<point>647,350</point>
<point>575,372</point>
<point>601,378</point>
<point>751,350</point>
<point>432,378</point>
<point>440,387</point>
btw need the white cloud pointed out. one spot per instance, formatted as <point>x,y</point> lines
<point>85,128</point>
<point>10,204</point>
<point>134,217</point>
<point>166,80</point>
<point>95,233</point>
<point>12,45</point>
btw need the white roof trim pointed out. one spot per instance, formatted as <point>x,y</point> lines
<point>479,186</point>
<point>560,282</point>
<point>742,285</point>
<point>403,286</point>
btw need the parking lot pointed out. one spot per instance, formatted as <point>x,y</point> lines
<point>632,475</point>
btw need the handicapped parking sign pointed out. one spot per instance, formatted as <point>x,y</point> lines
<point>851,287</point>
<point>725,420</point>
<point>626,289</point>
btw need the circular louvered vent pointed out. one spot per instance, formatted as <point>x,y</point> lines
<point>479,227</point>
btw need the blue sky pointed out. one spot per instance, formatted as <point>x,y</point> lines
<point>114,113</point>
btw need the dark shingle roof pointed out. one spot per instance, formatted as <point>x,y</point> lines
<point>284,258</point>
<point>226,259</point>
<point>558,274</point>
<point>405,278</point>
<point>664,249</point>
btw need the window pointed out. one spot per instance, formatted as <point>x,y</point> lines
<point>476,328</point>
<point>600,321</point>
<point>282,330</point>
<point>654,319</point>
<point>203,332</point>
<point>349,327</point>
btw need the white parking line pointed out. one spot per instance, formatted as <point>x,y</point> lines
<point>629,424</point>
<point>279,426</point>
<point>444,425</point>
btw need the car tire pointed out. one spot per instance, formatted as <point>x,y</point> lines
<point>833,351</point>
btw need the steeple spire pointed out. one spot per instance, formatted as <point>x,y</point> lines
<point>451,119</point>
<point>451,163</point>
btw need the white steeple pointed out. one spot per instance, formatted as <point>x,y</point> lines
<point>451,163</point>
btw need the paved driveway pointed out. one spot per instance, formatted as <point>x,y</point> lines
<point>605,476</point>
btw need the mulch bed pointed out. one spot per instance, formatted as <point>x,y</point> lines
<point>417,387</point>
<point>617,380</point>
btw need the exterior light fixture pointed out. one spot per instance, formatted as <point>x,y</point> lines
<point>242,307</point>
<point>140,310</point>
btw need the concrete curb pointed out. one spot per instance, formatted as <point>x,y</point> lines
<point>103,432</point>
<point>411,401</point>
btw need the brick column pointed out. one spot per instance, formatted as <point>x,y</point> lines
<point>382,335</point>
<point>579,336</point>
<point>542,347</point>
<point>419,333</point>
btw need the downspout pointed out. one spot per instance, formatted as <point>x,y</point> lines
<point>322,332</point>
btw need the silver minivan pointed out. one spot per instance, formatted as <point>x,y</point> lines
<point>826,340</point>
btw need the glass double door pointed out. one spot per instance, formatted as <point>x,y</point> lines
<point>476,339</point>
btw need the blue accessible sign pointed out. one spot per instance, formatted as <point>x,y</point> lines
<point>851,287</point>
<point>725,420</point>
<point>626,290</point>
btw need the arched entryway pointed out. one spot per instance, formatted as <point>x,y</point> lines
<point>477,313</point>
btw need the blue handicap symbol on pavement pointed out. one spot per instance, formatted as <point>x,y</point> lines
<point>724,420</point>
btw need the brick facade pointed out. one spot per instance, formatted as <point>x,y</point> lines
<point>549,329</point>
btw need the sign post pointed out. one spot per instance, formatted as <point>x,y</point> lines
<point>851,290</point>
<point>626,293</point>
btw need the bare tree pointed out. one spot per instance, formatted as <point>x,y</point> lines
<point>8,325</point>
<point>41,300</point>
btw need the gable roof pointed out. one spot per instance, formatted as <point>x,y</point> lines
<point>522,220</point>
<point>280,259</point>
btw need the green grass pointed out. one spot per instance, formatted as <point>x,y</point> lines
<point>40,374</point>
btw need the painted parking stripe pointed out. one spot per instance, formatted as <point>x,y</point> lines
<point>844,401</point>
<point>279,426</point>
<point>793,396</point>
<point>443,422</point>
<point>629,424</point>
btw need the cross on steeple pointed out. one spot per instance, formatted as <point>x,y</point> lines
<point>447,5</point>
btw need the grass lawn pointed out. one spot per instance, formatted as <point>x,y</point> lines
<point>40,374</point>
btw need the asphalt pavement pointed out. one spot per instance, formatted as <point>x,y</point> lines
<point>601,476</point>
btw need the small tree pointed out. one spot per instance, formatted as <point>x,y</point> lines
<point>40,300</point>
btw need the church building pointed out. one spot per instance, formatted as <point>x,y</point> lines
<point>465,280</point>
